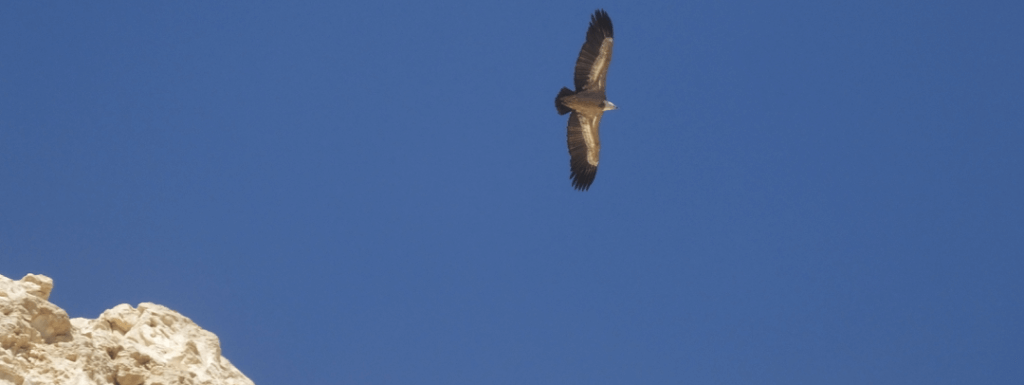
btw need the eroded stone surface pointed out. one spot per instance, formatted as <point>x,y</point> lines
<point>149,344</point>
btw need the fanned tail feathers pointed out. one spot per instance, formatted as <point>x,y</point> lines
<point>562,109</point>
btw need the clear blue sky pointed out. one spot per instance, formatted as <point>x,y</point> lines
<point>378,193</point>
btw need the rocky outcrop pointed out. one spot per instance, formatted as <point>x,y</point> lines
<point>150,344</point>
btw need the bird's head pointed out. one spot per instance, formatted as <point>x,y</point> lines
<point>608,106</point>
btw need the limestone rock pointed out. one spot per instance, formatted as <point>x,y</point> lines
<point>149,344</point>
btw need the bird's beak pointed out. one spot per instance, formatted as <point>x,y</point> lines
<point>610,106</point>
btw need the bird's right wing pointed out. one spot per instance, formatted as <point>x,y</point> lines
<point>596,54</point>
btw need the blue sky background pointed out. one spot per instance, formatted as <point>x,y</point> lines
<point>377,192</point>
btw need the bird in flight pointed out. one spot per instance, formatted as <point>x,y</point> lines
<point>587,103</point>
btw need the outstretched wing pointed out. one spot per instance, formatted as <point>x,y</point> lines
<point>584,148</point>
<point>596,54</point>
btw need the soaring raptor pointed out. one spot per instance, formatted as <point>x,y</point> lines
<point>587,103</point>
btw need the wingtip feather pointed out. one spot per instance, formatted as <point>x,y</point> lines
<point>600,22</point>
<point>582,177</point>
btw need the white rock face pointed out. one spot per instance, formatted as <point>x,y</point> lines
<point>150,345</point>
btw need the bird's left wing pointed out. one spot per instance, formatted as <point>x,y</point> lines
<point>584,148</point>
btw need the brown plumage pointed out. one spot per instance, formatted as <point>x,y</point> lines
<point>587,104</point>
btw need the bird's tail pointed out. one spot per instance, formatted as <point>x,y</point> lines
<point>562,109</point>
